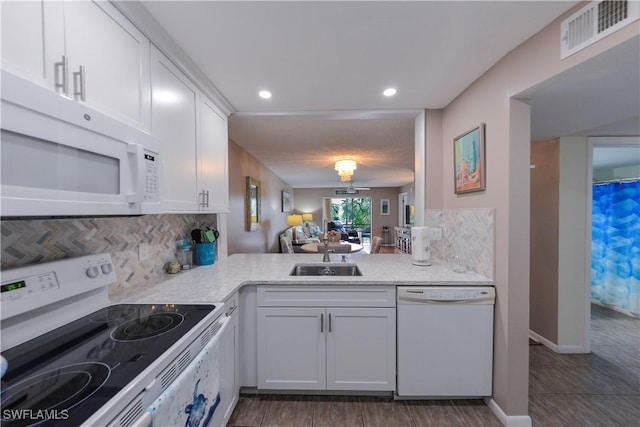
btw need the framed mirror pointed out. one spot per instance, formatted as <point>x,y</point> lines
<point>252,214</point>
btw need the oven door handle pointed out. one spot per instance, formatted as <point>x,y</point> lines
<point>145,420</point>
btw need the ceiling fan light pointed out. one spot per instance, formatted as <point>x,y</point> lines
<point>345,168</point>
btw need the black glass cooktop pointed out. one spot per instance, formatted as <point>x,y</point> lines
<point>63,377</point>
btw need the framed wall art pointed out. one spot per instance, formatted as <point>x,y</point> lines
<point>384,206</point>
<point>286,201</point>
<point>469,161</point>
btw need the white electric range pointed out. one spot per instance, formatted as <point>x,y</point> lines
<point>75,359</point>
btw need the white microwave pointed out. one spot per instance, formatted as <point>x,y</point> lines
<point>59,157</point>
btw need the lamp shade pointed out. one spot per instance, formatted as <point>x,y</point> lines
<point>293,220</point>
<point>307,217</point>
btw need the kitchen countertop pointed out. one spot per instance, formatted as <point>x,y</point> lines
<point>216,283</point>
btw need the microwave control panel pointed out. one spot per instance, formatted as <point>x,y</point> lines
<point>151,177</point>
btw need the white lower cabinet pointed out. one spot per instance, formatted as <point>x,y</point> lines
<point>361,349</point>
<point>326,348</point>
<point>291,348</point>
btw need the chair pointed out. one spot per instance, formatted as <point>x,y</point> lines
<point>286,247</point>
<point>366,234</point>
<point>376,244</point>
<point>351,237</point>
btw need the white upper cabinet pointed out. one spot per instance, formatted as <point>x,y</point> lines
<point>213,174</point>
<point>173,122</point>
<point>25,35</point>
<point>84,50</point>
<point>194,141</point>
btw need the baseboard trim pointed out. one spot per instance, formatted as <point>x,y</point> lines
<point>542,340</point>
<point>508,420</point>
<point>562,349</point>
<point>572,349</point>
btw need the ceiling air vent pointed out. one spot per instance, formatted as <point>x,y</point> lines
<point>595,21</point>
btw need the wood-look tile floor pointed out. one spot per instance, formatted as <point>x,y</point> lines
<point>351,411</point>
<point>565,390</point>
<point>597,389</point>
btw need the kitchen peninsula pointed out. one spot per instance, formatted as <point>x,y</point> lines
<point>354,333</point>
<point>216,283</point>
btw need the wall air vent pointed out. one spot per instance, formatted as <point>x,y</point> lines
<point>594,22</point>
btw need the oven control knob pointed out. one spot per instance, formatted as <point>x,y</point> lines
<point>106,268</point>
<point>93,272</point>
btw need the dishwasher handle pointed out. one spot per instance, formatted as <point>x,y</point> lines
<point>422,300</point>
<point>446,295</point>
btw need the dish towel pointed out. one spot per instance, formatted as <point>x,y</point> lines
<point>193,397</point>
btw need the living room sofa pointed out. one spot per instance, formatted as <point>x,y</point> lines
<point>298,235</point>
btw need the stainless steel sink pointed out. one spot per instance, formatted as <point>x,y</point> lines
<point>325,270</point>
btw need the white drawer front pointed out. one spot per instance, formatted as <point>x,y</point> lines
<point>326,296</point>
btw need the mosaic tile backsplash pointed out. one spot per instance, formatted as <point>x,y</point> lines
<point>28,241</point>
<point>468,233</point>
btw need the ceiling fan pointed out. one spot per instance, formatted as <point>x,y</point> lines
<point>352,189</point>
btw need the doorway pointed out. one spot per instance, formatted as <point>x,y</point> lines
<point>614,191</point>
<point>353,212</point>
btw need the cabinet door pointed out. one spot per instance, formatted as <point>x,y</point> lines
<point>213,174</point>
<point>115,57</point>
<point>361,349</point>
<point>28,27</point>
<point>291,348</point>
<point>173,122</point>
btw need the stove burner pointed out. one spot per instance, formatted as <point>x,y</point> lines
<point>116,313</point>
<point>147,327</point>
<point>52,391</point>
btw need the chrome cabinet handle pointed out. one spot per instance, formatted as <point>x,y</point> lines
<point>321,323</point>
<point>61,80</point>
<point>78,84</point>
<point>329,322</point>
<point>205,198</point>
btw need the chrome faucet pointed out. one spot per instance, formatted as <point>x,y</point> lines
<point>326,249</point>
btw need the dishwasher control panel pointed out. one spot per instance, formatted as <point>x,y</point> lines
<point>446,294</point>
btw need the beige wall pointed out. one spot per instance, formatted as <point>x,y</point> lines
<point>310,200</point>
<point>572,245</point>
<point>545,188</point>
<point>559,243</point>
<point>489,100</point>
<point>434,173</point>
<point>274,221</point>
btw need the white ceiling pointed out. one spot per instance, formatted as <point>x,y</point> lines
<point>326,64</point>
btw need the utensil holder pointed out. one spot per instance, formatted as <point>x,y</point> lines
<point>205,253</point>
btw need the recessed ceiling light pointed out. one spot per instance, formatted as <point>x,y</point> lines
<point>264,94</point>
<point>389,91</point>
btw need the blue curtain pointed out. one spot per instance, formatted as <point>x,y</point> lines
<point>615,245</point>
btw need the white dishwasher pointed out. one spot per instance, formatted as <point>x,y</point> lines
<point>445,341</point>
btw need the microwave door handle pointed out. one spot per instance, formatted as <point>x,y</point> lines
<point>135,153</point>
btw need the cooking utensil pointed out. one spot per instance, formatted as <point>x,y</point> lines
<point>214,234</point>
<point>196,235</point>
